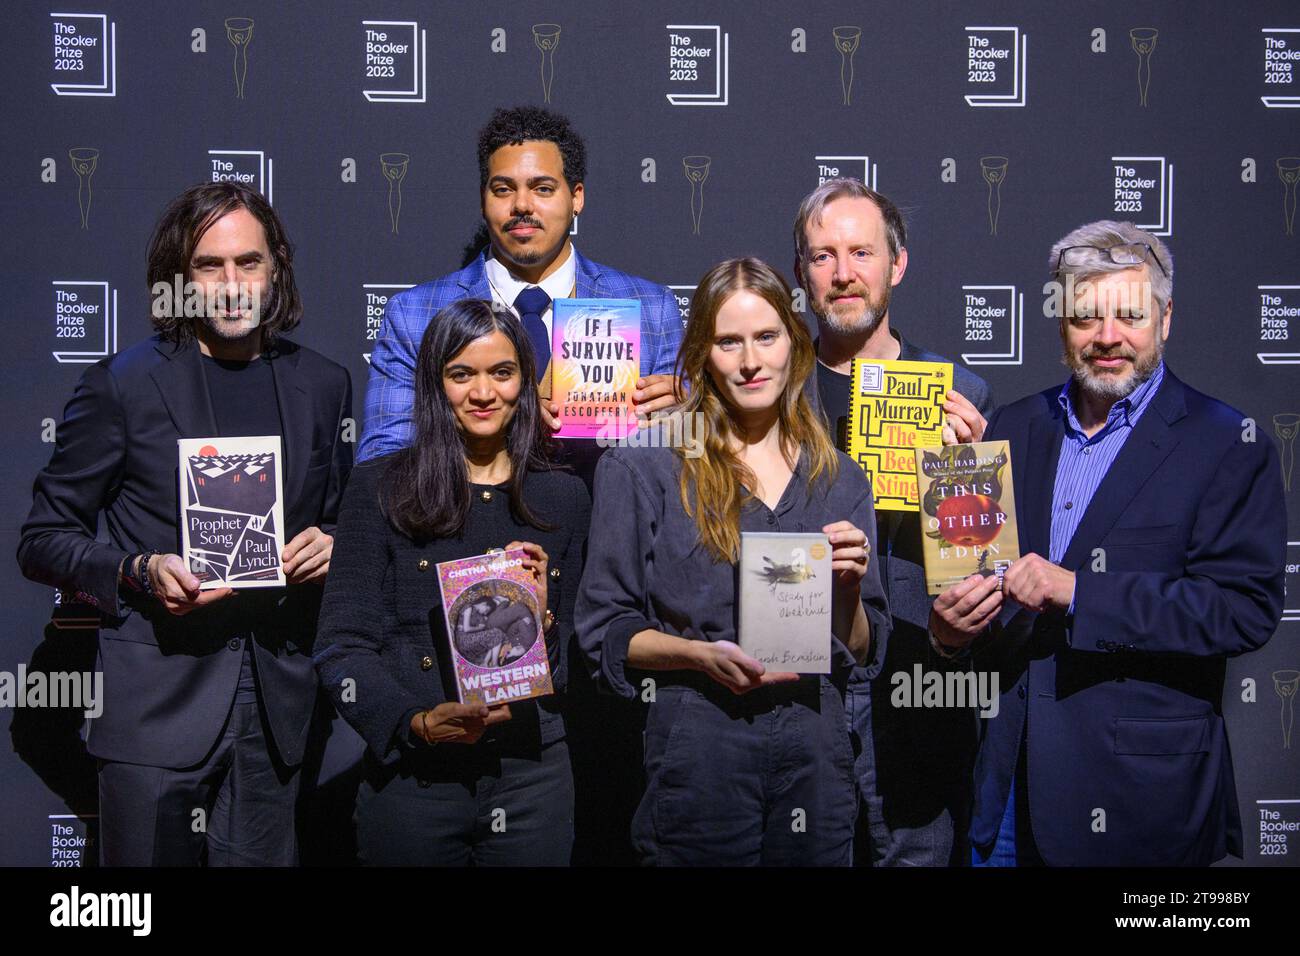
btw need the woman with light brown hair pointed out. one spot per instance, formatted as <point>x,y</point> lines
<point>744,765</point>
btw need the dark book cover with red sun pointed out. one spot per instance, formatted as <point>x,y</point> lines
<point>232,511</point>
<point>968,511</point>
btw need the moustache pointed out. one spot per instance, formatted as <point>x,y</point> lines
<point>858,290</point>
<point>1092,352</point>
<point>522,221</point>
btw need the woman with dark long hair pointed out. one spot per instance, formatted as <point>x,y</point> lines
<point>449,783</point>
<point>744,766</point>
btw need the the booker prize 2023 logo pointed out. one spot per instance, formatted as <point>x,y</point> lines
<point>395,63</point>
<point>376,300</point>
<point>84,54</point>
<point>682,295</point>
<point>248,167</point>
<point>698,65</point>
<point>997,66</point>
<point>993,320</point>
<point>85,321</point>
<point>1143,192</point>
<point>860,168</point>
<point>1281,65</point>
<point>1279,324</point>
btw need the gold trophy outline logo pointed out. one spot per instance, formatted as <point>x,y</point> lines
<point>546,36</point>
<point>1143,40</point>
<point>239,31</point>
<point>1286,425</point>
<point>394,166</point>
<point>993,170</point>
<point>847,40</point>
<point>84,161</point>
<point>1288,170</point>
<point>697,171</point>
<point>1286,683</point>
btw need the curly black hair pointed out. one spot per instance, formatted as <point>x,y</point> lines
<point>510,127</point>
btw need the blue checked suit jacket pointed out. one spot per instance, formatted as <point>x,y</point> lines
<point>391,390</point>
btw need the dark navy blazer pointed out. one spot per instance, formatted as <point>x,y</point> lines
<point>1179,564</point>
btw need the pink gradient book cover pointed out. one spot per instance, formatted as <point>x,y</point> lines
<point>595,362</point>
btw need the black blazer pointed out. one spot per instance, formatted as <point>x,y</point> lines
<point>168,680</point>
<point>1120,709</point>
<point>383,651</point>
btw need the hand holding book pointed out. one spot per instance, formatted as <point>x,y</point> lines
<point>1035,583</point>
<point>961,612</point>
<point>453,723</point>
<point>176,588</point>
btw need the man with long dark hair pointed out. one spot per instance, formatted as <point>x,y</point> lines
<point>209,694</point>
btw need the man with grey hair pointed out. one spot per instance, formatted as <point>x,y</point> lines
<point>914,767</point>
<point>1153,538</point>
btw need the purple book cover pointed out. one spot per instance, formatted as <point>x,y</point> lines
<point>495,628</point>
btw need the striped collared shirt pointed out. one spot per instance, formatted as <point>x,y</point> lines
<point>1084,461</point>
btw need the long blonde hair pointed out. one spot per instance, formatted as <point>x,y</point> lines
<point>711,483</point>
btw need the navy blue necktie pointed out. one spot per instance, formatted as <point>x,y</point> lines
<point>530,304</point>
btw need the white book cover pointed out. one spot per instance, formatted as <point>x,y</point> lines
<point>232,511</point>
<point>785,601</point>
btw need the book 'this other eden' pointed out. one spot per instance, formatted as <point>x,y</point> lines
<point>968,512</point>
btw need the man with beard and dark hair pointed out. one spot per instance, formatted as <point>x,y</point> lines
<point>914,766</point>
<point>1153,534</point>
<point>209,694</point>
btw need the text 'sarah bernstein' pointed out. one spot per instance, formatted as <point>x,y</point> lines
<point>785,601</point>
<point>968,512</point>
<point>894,408</point>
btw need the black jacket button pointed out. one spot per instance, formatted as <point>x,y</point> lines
<point>426,663</point>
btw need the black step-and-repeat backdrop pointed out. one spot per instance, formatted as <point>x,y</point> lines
<point>997,127</point>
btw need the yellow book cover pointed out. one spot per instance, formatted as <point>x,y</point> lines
<point>968,512</point>
<point>894,408</point>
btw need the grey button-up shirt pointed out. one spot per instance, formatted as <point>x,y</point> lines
<point>647,569</point>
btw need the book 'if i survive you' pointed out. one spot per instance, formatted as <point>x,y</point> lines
<point>595,363</point>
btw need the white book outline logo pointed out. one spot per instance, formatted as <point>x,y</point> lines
<point>265,169</point>
<point>107,86</point>
<point>868,177</point>
<point>720,96</point>
<point>1015,354</point>
<point>1165,226</point>
<point>1019,71</point>
<point>1278,358</point>
<point>384,285</point>
<point>84,356</point>
<point>419,62</point>
<point>1281,102</point>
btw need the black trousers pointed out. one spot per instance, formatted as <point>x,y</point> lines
<point>234,809</point>
<point>493,803</point>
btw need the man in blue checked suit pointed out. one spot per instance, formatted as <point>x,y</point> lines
<point>1153,535</point>
<point>531,169</point>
